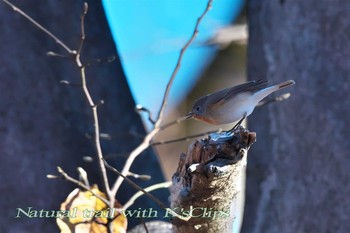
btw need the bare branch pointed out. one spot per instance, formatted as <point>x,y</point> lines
<point>100,60</point>
<point>83,80</point>
<point>82,25</point>
<point>93,108</point>
<point>138,176</point>
<point>66,82</point>
<point>144,225</point>
<point>171,123</point>
<point>186,138</point>
<point>83,176</point>
<point>144,191</point>
<point>80,184</point>
<point>54,54</point>
<point>139,108</point>
<point>134,185</point>
<point>151,188</point>
<point>146,142</point>
<point>137,151</point>
<point>177,67</point>
<point>38,25</point>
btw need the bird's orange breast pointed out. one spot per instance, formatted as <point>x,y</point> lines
<point>205,119</point>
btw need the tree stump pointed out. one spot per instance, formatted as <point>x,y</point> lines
<point>207,181</point>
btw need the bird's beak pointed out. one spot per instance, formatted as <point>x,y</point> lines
<point>189,115</point>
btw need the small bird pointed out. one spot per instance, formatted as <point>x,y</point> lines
<point>232,104</point>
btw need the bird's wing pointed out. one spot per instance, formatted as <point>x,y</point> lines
<point>219,97</point>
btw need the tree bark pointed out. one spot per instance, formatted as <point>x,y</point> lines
<point>298,171</point>
<point>207,181</point>
<point>43,124</point>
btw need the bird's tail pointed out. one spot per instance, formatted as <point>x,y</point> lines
<point>267,91</point>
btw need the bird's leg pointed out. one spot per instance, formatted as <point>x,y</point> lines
<point>238,124</point>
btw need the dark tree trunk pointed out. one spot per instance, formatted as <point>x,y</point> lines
<point>298,171</point>
<point>43,124</point>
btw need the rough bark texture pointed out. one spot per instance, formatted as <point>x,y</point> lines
<point>153,227</point>
<point>207,181</point>
<point>298,171</point>
<point>43,123</point>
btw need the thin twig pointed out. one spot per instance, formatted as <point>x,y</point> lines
<point>83,176</point>
<point>97,141</point>
<point>83,80</point>
<point>93,108</point>
<point>38,25</point>
<point>144,225</point>
<point>185,138</point>
<point>54,54</point>
<point>171,123</point>
<point>82,27</point>
<point>100,60</point>
<point>151,188</point>
<point>138,176</point>
<point>178,65</point>
<point>146,142</point>
<point>66,82</point>
<point>65,176</point>
<point>144,191</point>
<point>134,185</point>
<point>87,95</point>
<point>139,108</point>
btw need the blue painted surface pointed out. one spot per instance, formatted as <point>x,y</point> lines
<point>149,35</point>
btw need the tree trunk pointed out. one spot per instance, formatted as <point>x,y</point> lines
<point>208,180</point>
<point>43,124</point>
<point>298,171</point>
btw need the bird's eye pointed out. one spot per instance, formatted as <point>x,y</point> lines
<point>198,108</point>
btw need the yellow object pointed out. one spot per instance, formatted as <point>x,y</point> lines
<point>86,213</point>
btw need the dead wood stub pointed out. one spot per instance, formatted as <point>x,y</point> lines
<point>208,179</point>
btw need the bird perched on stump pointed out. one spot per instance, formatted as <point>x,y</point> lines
<point>233,104</point>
